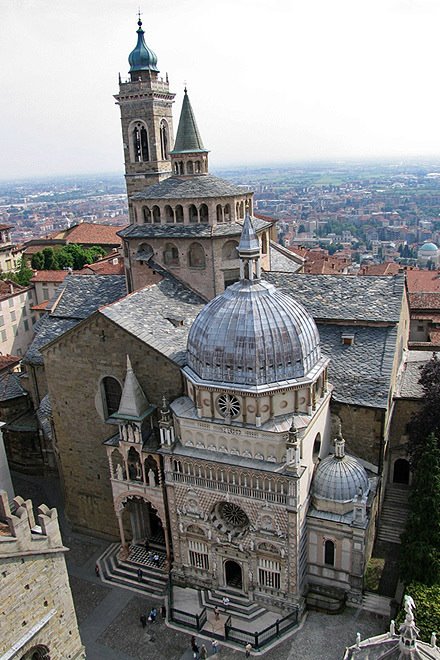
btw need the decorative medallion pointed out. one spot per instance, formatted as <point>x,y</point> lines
<point>228,405</point>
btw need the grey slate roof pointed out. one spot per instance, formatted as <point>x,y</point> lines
<point>154,315</point>
<point>408,386</point>
<point>360,373</point>
<point>10,387</point>
<point>279,262</point>
<point>344,297</point>
<point>206,185</point>
<point>189,231</point>
<point>75,299</point>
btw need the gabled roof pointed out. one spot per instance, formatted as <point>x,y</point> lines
<point>10,387</point>
<point>88,233</point>
<point>50,276</point>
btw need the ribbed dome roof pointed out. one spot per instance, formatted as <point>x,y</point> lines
<point>339,478</point>
<point>142,58</point>
<point>429,246</point>
<point>253,334</point>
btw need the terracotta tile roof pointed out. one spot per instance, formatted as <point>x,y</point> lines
<point>434,337</point>
<point>425,281</point>
<point>87,233</point>
<point>425,301</point>
<point>268,218</point>
<point>8,288</point>
<point>300,251</point>
<point>387,268</point>
<point>106,268</point>
<point>8,361</point>
<point>41,307</point>
<point>49,276</point>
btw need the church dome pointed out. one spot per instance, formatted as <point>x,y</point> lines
<point>253,334</point>
<point>142,58</point>
<point>339,477</point>
<point>429,247</point>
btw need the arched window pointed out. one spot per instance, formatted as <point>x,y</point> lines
<point>39,652</point>
<point>316,447</point>
<point>164,140</point>
<point>112,392</point>
<point>196,256</point>
<point>241,209</point>
<point>190,167</point>
<point>204,214</point>
<point>264,243</point>
<point>141,152</point>
<point>197,167</point>
<point>169,215</point>
<point>227,213</point>
<point>219,212</point>
<point>180,164</point>
<point>170,255</point>
<point>179,213</point>
<point>176,168</point>
<point>147,214</point>
<point>229,251</point>
<point>144,252</point>
<point>192,212</point>
<point>329,553</point>
<point>156,214</point>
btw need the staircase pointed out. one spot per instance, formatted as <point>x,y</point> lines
<point>394,513</point>
<point>239,606</point>
<point>377,604</point>
<point>124,572</point>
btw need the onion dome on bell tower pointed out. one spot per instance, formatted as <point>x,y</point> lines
<point>189,156</point>
<point>142,58</point>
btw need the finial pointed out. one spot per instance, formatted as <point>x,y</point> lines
<point>164,403</point>
<point>434,640</point>
<point>139,17</point>
<point>129,367</point>
<point>185,91</point>
<point>339,446</point>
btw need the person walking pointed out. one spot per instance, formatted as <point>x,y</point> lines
<point>97,570</point>
<point>214,645</point>
<point>248,649</point>
<point>216,613</point>
<point>203,652</point>
<point>196,654</point>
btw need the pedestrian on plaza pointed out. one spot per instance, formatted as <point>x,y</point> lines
<point>196,654</point>
<point>214,645</point>
<point>153,614</point>
<point>143,620</point>
<point>193,642</point>
<point>248,649</point>
<point>203,652</point>
<point>97,570</point>
<point>226,601</point>
<point>163,612</point>
<point>139,575</point>
<point>156,559</point>
<point>216,613</point>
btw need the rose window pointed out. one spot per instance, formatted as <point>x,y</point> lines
<point>228,405</point>
<point>229,519</point>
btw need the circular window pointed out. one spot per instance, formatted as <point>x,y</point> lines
<point>228,405</point>
<point>229,519</point>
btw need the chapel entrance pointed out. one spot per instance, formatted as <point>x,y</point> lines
<point>401,471</point>
<point>233,574</point>
<point>141,523</point>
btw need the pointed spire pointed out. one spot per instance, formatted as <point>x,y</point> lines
<point>249,245</point>
<point>188,138</point>
<point>133,400</point>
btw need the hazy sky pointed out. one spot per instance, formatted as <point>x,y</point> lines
<point>269,81</point>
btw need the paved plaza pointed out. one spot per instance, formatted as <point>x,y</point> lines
<point>108,616</point>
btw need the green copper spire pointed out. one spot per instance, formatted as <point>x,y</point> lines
<point>188,138</point>
<point>142,58</point>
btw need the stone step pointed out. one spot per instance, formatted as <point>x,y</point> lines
<point>112,569</point>
<point>238,605</point>
<point>377,604</point>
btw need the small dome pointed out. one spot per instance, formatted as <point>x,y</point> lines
<point>429,247</point>
<point>340,477</point>
<point>253,334</point>
<point>142,58</point>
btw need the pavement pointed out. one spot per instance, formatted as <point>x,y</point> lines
<point>108,616</point>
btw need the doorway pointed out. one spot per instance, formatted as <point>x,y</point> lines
<point>401,471</point>
<point>233,575</point>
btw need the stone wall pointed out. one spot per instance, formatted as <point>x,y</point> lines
<point>75,366</point>
<point>362,429</point>
<point>37,606</point>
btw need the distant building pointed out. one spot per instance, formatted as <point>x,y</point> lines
<point>9,253</point>
<point>17,319</point>
<point>428,254</point>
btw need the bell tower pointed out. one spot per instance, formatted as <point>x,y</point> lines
<point>145,102</point>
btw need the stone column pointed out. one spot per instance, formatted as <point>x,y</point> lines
<point>121,528</point>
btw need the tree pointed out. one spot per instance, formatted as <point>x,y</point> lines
<point>50,260</point>
<point>427,420</point>
<point>420,551</point>
<point>24,273</point>
<point>37,261</point>
<point>67,256</point>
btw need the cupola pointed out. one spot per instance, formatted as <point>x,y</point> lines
<point>142,59</point>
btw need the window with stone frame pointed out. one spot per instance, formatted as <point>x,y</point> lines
<point>329,553</point>
<point>198,554</point>
<point>269,573</point>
